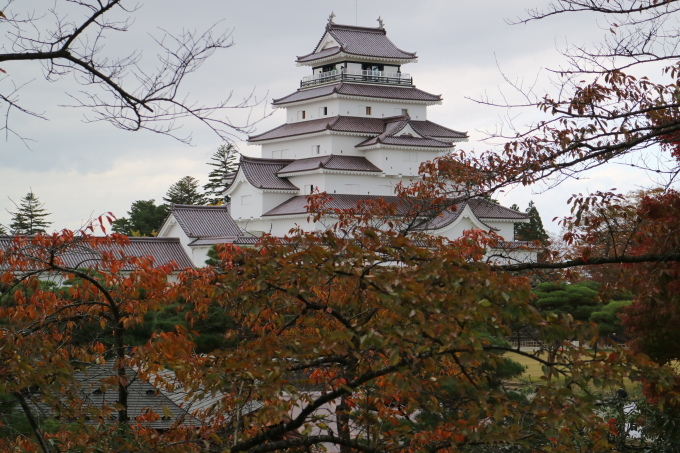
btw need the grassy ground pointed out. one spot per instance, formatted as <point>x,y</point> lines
<point>533,370</point>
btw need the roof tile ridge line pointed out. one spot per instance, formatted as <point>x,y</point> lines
<point>380,30</point>
<point>265,132</point>
<point>325,160</point>
<point>151,239</point>
<point>331,124</point>
<point>437,124</point>
<point>196,206</point>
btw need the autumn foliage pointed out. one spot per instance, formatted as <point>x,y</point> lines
<point>358,336</point>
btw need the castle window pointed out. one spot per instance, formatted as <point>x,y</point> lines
<point>323,111</point>
<point>368,111</point>
<point>302,114</point>
<point>316,149</point>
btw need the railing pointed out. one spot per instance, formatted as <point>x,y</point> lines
<point>367,76</point>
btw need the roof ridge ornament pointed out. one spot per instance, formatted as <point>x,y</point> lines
<point>381,23</point>
<point>330,19</point>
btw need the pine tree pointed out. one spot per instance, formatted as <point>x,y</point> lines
<point>225,163</point>
<point>144,219</point>
<point>185,191</point>
<point>532,231</point>
<point>30,216</point>
<point>2,229</point>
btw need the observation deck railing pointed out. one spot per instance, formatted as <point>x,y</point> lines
<point>363,76</point>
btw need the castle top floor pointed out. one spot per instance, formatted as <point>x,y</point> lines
<point>347,53</point>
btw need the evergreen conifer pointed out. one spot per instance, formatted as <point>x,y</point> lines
<point>225,163</point>
<point>30,217</point>
<point>185,191</point>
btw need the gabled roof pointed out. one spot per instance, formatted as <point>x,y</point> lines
<point>360,90</point>
<point>142,397</point>
<point>358,41</point>
<point>357,125</point>
<point>483,209</point>
<point>332,162</point>
<point>162,250</point>
<point>261,173</point>
<point>205,221</point>
<point>395,134</point>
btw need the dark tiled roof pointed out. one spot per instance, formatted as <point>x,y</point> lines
<point>238,240</point>
<point>298,205</point>
<point>391,137</point>
<point>408,141</point>
<point>430,129</point>
<point>482,209</point>
<point>487,210</point>
<point>261,173</point>
<point>361,41</point>
<point>82,254</point>
<point>332,162</point>
<point>355,124</point>
<point>356,89</point>
<point>142,397</point>
<point>162,250</point>
<point>202,221</point>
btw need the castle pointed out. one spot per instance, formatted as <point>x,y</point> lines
<point>355,128</point>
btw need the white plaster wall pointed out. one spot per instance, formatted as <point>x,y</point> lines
<point>395,162</point>
<point>456,231</point>
<point>302,148</point>
<point>278,227</point>
<point>505,229</point>
<point>273,199</point>
<point>255,201</point>
<point>313,110</point>
<point>199,254</point>
<point>381,109</point>
<point>354,107</point>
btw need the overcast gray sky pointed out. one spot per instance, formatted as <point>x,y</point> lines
<point>82,170</point>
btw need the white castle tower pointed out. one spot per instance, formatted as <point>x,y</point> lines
<point>355,128</point>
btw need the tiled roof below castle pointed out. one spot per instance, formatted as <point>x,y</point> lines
<point>202,221</point>
<point>84,254</point>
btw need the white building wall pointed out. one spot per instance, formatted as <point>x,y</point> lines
<point>506,230</point>
<point>273,199</point>
<point>199,254</point>
<point>305,147</point>
<point>246,202</point>
<point>397,161</point>
<point>354,107</point>
<point>381,109</point>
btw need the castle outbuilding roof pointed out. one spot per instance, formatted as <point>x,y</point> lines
<point>205,221</point>
<point>83,254</point>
